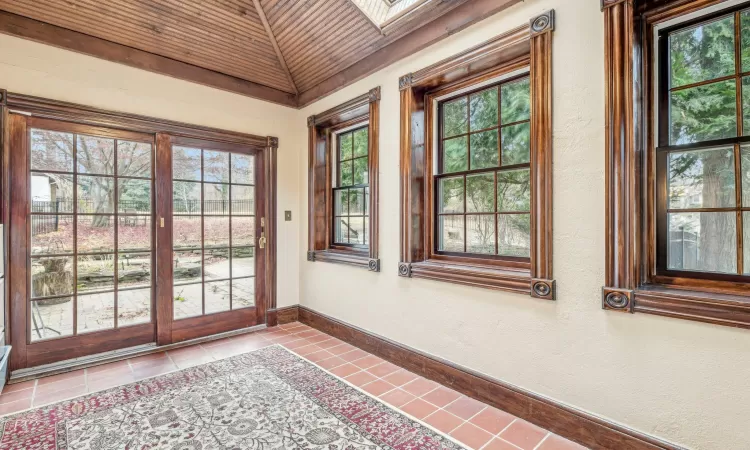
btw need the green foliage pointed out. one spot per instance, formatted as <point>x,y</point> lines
<point>483,107</point>
<point>454,117</point>
<point>454,155</point>
<point>513,191</point>
<point>480,193</point>
<point>515,99</point>
<point>360,142</point>
<point>702,53</point>
<point>484,149</point>
<point>515,144</point>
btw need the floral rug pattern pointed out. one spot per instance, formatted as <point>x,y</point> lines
<point>266,399</point>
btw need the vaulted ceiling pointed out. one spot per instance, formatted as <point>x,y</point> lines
<point>285,51</point>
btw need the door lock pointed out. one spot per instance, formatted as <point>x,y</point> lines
<point>262,240</point>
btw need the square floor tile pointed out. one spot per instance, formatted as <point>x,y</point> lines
<point>400,377</point>
<point>345,370</point>
<point>419,408</point>
<point>383,369</point>
<point>471,435</point>
<point>361,378</point>
<point>420,387</point>
<point>378,387</point>
<point>555,442</point>
<point>441,396</point>
<point>465,407</point>
<point>524,434</point>
<point>493,420</point>
<point>397,397</point>
<point>443,421</point>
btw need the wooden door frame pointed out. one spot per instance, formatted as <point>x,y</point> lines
<point>25,105</point>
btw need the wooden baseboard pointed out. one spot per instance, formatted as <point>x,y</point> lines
<point>586,429</point>
<point>280,316</point>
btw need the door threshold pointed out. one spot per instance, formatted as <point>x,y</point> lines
<point>69,365</point>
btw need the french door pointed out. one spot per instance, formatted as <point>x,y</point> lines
<point>121,238</point>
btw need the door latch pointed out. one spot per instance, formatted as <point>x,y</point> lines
<point>262,240</point>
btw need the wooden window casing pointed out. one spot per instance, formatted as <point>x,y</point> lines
<point>636,275</point>
<point>324,130</point>
<point>524,51</point>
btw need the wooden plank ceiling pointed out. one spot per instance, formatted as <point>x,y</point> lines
<point>276,50</point>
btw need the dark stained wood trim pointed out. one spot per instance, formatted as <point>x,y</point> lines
<point>280,316</point>
<point>576,425</point>
<point>270,159</point>
<point>45,33</point>
<point>456,20</point>
<point>163,208</point>
<point>528,46</point>
<point>196,327</point>
<point>321,127</point>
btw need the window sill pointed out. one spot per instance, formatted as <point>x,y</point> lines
<point>348,258</point>
<point>710,307</point>
<point>505,279</point>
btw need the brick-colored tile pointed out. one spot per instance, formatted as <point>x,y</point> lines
<point>419,408</point>
<point>112,372</point>
<point>15,396</point>
<point>68,383</point>
<point>341,349</point>
<point>107,383</point>
<point>361,378</point>
<point>400,377</point>
<point>367,362</point>
<point>153,358</point>
<point>330,343</point>
<point>353,355</point>
<point>60,377</point>
<point>555,442</point>
<point>318,356</point>
<point>499,444</point>
<point>443,421</point>
<point>524,434</point>
<point>383,369</point>
<point>345,370</point>
<point>13,407</point>
<point>8,388</point>
<point>304,351</point>
<point>441,396</point>
<point>493,420</point>
<point>378,387</point>
<point>107,367</point>
<point>397,397</point>
<point>153,370</point>
<point>420,387</point>
<point>57,395</point>
<point>465,407</point>
<point>471,435</point>
<point>331,363</point>
<point>298,344</point>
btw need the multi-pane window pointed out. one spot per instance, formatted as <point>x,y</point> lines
<point>91,228</point>
<point>482,183</point>
<point>213,195</point>
<point>352,191</point>
<point>703,153</point>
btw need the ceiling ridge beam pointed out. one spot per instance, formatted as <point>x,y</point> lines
<point>267,26</point>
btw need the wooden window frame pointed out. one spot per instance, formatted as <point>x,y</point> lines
<point>632,283</point>
<point>528,46</point>
<point>322,149</point>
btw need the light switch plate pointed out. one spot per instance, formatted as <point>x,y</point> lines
<point>288,216</point>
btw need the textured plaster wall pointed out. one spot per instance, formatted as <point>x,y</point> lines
<point>30,68</point>
<point>682,381</point>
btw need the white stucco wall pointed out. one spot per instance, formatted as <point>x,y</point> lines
<point>683,381</point>
<point>34,69</point>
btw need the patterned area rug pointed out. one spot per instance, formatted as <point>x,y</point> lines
<point>267,399</point>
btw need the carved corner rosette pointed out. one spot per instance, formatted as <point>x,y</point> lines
<point>617,299</point>
<point>311,256</point>
<point>373,265</point>
<point>404,82</point>
<point>374,94</point>
<point>543,23</point>
<point>404,269</point>
<point>543,289</point>
<point>310,121</point>
<point>273,142</point>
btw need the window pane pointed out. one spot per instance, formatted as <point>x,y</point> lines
<point>186,231</point>
<point>341,230</point>
<point>702,179</point>
<point>480,233</point>
<point>51,276</point>
<point>96,234</point>
<point>452,195</point>
<point>51,192</point>
<point>745,30</point>
<point>515,100</point>
<point>451,233</point>
<point>360,171</point>
<point>341,202</point>
<point>702,53</point>
<point>51,150</point>
<point>703,113</point>
<point>96,273</point>
<point>243,231</point>
<point>483,110</point>
<point>360,143</point>
<point>705,242</point>
<point>513,191</point>
<point>243,293</point>
<point>243,262</point>
<point>51,234</point>
<point>367,230</point>
<point>216,263</point>
<point>356,230</point>
<point>134,233</point>
<point>746,105</point>
<point>216,231</point>
<point>746,178</point>
<point>454,117</point>
<point>215,166</point>
<point>54,318</point>
<point>134,269</point>
<point>188,301</point>
<point>216,199</point>
<point>746,241</point>
<point>217,296</point>
<point>345,174</point>
<point>243,200</point>
<point>480,193</point>
<point>515,144</point>
<point>133,307</point>
<point>96,312</point>
<point>484,149</point>
<point>454,155</point>
<point>356,201</point>
<point>95,155</point>
<point>134,196</point>
<point>96,195</point>
<point>367,200</point>
<point>243,169</point>
<point>186,197</point>
<point>133,159</point>
<point>186,163</point>
<point>345,146</point>
<point>186,266</point>
<point>514,238</point>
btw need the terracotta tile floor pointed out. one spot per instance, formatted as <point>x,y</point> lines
<point>473,423</point>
